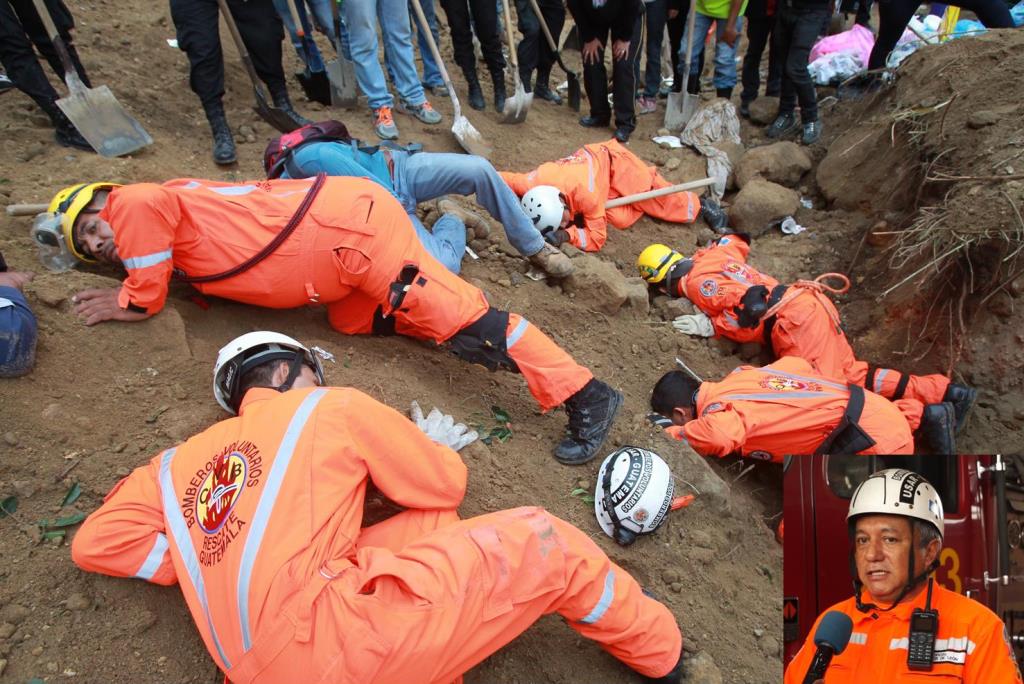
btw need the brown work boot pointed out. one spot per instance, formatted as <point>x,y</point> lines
<point>476,225</point>
<point>552,261</point>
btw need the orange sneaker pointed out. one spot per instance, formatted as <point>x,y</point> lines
<point>384,124</point>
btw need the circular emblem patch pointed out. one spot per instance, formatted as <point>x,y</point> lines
<point>760,455</point>
<point>640,515</point>
<point>220,491</point>
<point>708,288</point>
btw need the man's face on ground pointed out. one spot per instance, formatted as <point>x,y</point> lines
<point>96,237</point>
<point>566,218</point>
<point>882,548</point>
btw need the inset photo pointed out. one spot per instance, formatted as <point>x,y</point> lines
<point>903,569</point>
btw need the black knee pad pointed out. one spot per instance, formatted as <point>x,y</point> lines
<point>483,342</point>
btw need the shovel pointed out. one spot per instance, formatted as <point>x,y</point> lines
<point>517,106</point>
<point>95,112</point>
<point>574,79</point>
<point>681,106</point>
<point>462,129</point>
<point>341,71</point>
<point>659,192</point>
<point>272,115</point>
<point>316,86</point>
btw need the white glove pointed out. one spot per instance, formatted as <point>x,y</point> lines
<point>441,428</point>
<point>697,324</point>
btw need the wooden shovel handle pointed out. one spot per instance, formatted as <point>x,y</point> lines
<point>26,209</point>
<point>299,31</point>
<point>672,189</point>
<point>58,42</point>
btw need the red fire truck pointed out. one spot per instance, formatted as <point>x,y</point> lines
<point>982,555</point>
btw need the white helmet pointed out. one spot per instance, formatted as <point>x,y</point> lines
<point>543,204</point>
<point>633,495</point>
<point>897,492</point>
<point>250,350</point>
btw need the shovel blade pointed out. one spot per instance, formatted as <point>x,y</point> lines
<point>470,138</point>
<point>103,122</point>
<point>342,75</point>
<point>316,86</point>
<point>517,106</point>
<point>575,97</point>
<point>679,109</point>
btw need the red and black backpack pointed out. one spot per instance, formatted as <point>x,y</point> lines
<point>281,148</point>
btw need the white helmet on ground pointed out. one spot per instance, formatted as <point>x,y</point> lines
<point>543,204</point>
<point>897,492</point>
<point>633,495</point>
<point>244,353</point>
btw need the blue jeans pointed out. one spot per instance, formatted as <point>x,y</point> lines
<point>361,18</point>
<point>656,12</point>
<point>431,72</point>
<point>725,56</point>
<point>305,47</point>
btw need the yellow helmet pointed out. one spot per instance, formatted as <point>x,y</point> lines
<point>68,204</point>
<point>656,261</point>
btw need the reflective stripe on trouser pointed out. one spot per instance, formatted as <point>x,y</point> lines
<point>450,599</point>
<point>551,374</point>
<point>804,328</point>
<point>630,175</point>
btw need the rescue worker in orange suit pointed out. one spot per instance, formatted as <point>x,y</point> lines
<point>284,586</point>
<point>352,248</point>
<point>785,408</point>
<point>566,198</point>
<point>896,530</point>
<point>733,297</point>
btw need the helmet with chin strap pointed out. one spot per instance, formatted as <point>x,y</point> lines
<point>895,492</point>
<point>544,205</point>
<point>250,350</point>
<point>633,494</point>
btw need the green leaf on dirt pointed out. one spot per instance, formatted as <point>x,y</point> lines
<point>8,506</point>
<point>587,498</point>
<point>500,414</point>
<point>54,534</point>
<point>66,521</point>
<point>578,491</point>
<point>72,495</point>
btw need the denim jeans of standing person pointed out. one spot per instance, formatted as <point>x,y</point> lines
<point>361,17</point>
<point>656,12</point>
<point>725,55</point>
<point>424,176</point>
<point>305,47</point>
<point>431,73</point>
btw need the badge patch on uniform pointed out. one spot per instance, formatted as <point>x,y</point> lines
<point>760,455</point>
<point>737,271</point>
<point>574,158</point>
<point>777,383</point>
<point>708,288</point>
<point>711,408</point>
<point>220,491</point>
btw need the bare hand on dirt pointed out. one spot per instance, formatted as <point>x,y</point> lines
<point>589,51</point>
<point>98,305</point>
<point>729,35</point>
<point>620,49</point>
<point>15,279</point>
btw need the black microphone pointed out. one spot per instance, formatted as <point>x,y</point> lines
<point>831,637</point>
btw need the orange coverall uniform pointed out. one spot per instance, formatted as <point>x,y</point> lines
<point>971,646</point>
<point>347,253</point>
<point>804,327</point>
<point>258,520</point>
<point>596,173</point>
<point>785,409</point>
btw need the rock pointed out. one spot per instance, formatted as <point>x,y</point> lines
<point>749,350</point>
<point>759,203</point>
<point>3,665</point>
<point>670,576</point>
<point>504,282</point>
<point>666,344</point>
<point>52,667</point>
<point>245,130</point>
<point>25,488</point>
<point>763,110</point>
<point>770,646</point>
<point>981,119</point>
<point>604,286</point>
<point>52,412</point>
<point>78,601</point>
<point>677,587</point>
<point>758,632</point>
<point>700,538</point>
<point>664,131</point>
<point>636,296</point>
<point>7,629</point>
<point>1001,305</point>
<point>37,651</point>
<point>142,621</point>
<point>781,162</point>
<point>14,613</point>
<point>122,472</point>
<point>735,152</point>
<point>10,439</point>
<point>701,669</point>
<point>672,163</point>
<point>692,166</point>
<point>672,309</point>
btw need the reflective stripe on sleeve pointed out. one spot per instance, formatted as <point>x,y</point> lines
<point>604,602</point>
<point>877,389</point>
<point>154,559</point>
<point>258,526</point>
<point>516,333</point>
<point>772,395</point>
<point>178,529</point>
<point>148,260</point>
<point>583,237</point>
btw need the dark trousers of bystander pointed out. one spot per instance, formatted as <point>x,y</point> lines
<point>484,24</point>
<point>533,50</point>
<point>595,80</point>
<point>759,32</point>
<point>796,30</point>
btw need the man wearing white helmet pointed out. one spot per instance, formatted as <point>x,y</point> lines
<point>258,519</point>
<point>566,198</point>
<point>896,528</point>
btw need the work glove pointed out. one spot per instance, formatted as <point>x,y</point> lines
<point>556,237</point>
<point>698,325</point>
<point>442,428</point>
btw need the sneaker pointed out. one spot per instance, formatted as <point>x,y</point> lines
<point>713,215</point>
<point>439,90</point>
<point>646,105</point>
<point>622,134</point>
<point>812,133</point>
<point>384,124</point>
<point>476,226</point>
<point>595,121</point>
<point>552,261</point>
<point>745,109</point>
<point>962,398</point>
<point>424,112</point>
<point>5,83</point>
<point>591,414</point>
<point>784,124</point>
<point>936,429</point>
<point>547,94</point>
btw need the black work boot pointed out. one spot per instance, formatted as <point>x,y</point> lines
<point>962,398</point>
<point>693,84</point>
<point>282,102</point>
<point>724,93</point>
<point>476,94</point>
<point>541,90</point>
<point>591,413</point>
<point>784,124</point>
<point>66,134</point>
<point>675,676</point>
<point>713,215</point>
<point>223,142</point>
<point>500,94</point>
<point>936,429</point>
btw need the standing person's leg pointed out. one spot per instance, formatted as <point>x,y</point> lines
<point>805,32</point>
<point>701,25</point>
<point>553,12</point>
<point>657,15</point>
<point>396,32</point>
<point>36,32</point>
<point>283,11</point>
<point>457,12</point>
<point>782,34</point>
<point>776,62</point>
<point>361,22</point>
<point>432,79</point>
<point>595,82</point>
<point>893,16</point>
<point>485,24</point>
<point>725,60</point>
<point>624,87</point>
<point>758,31</point>
<point>991,13</point>
<point>528,50</point>
<point>676,27</point>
